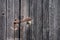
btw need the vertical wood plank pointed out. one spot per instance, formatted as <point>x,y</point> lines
<point>58,20</point>
<point>16,16</point>
<point>24,14</point>
<point>36,15</point>
<point>53,19</point>
<point>45,19</point>
<point>39,20</point>
<point>2,19</point>
<point>10,19</point>
<point>33,12</point>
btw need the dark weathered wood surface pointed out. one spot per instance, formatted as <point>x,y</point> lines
<point>16,16</point>
<point>10,19</point>
<point>2,19</point>
<point>49,9</point>
<point>45,19</point>
<point>12,14</point>
<point>37,16</point>
<point>9,10</point>
<point>53,19</point>
<point>44,13</point>
<point>24,14</point>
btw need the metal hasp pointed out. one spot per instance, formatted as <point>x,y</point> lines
<point>17,21</point>
<point>22,20</point>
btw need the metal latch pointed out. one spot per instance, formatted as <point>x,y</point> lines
<point>17,21</point>
<point>22,20</point>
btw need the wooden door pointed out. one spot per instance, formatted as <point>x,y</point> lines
<point>45,16</point>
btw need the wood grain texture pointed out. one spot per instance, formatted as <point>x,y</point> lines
<point>45,19</point>
<point>12,14</point>
<point>2,19</point>
<point>36,15</point>
<point>10,19</point>
<point>53,19</point>
<point>44,13</point>
<point>16,16</point>
<point>57,19</point>
<point>24,14</point>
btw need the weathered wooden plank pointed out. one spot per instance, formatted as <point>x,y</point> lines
<point>33,12</point>
<point>16,16</point>
<point>39,20</point>
<point>53,19</point>
<point>23,37</point>
<point>24,14</point>
<point>2,19</point>
<point>36,14</point>
<point>45,19</point>
<point>10,19</point>
<point>57,7</point>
